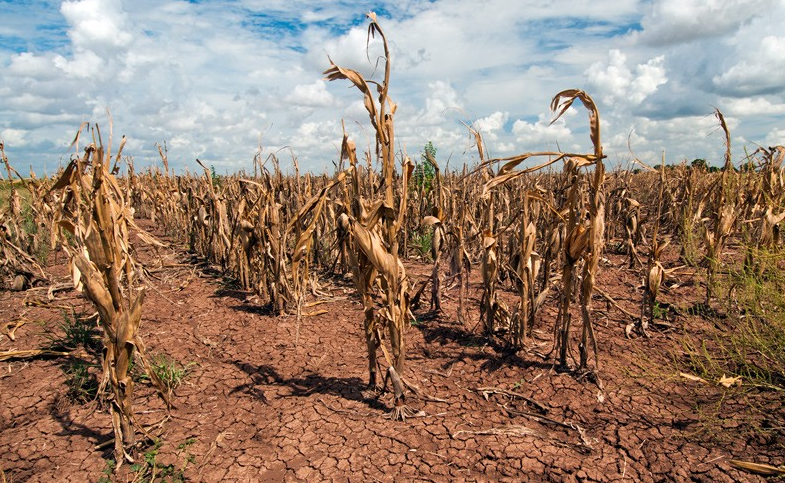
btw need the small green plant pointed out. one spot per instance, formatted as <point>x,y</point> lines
<point>82,385</point>
<point>150,470</point>
<point>742,356</point>
<point>689,241</point>
<point>422,241</point>
<point>77,333</point>
<point>659,312</point>
<point>106,476</point>
<point>170,371</point>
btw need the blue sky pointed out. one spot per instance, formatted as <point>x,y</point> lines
<point>216,80</point>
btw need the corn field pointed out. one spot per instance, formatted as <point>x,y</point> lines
<point>537,227</point>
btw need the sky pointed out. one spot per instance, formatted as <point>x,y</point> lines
<point>224,80</point>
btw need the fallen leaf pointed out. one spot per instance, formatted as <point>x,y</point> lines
<point>692,377</point>
<point>729,381</point>
<point>757,468</point>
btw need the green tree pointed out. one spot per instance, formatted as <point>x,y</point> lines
<point>699,164</point>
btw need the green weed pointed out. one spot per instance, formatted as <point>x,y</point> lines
<point>422,241</point>
<point>150,470</point>
<point>171,372</point>
<point>77,333</point>
<point>82,385</point>
<point>748,344</point>
<point>109,467</point>
<point>73,334</point>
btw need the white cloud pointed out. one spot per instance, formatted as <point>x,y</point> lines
<point>26,64</point>
<point>618,84</point>
<point>752,106</point>
<point>775,137</point>
<point>675,21</point>
<point>759,73</point>
<point>542,132</point>
<point>442,98</point>
<point>489,125</point>
<point>84,65</point>
<point>492,129</point>
<point>96,23</point>
<point>13,137</point>
<point>311,95</point>
<point>211,78</point>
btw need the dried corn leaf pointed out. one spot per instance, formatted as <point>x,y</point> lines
<point>430,220</point>
<point>29,353</point>
<point>511,430</point>
<point>692,377</point>
<point>757,468</point>
<point>729,381</point>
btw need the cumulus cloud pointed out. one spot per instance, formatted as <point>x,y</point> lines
<point>669,22</point>
<point>752,106</point>
<point>13,137</point>
<point>442,98</point>
<point>616,83</point>
<point>96,24</point>
<point>492,129</point>
<point>490,125</point>
<point>761,73</point>
<point>311,95</point>
<point>542,132</point>
<point>775,137</point>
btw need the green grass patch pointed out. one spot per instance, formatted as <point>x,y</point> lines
<point>73,334</point>
<point>421,241</point>
<point>82,384</point>
<point>748,344</point>
<point>169,370</point>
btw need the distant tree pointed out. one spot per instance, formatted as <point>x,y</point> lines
<point>699,163</point>
<point>748,167</point>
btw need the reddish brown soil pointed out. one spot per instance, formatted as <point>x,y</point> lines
<point>269,399</point>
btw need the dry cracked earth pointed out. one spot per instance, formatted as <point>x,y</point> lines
<point>271,399</point>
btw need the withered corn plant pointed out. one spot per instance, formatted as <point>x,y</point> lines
<point>438,238</point>
<point>527,269</point>
<point>492,312</point>
<point>584,240</point>
<point>93,223</point>
<point>375,233</point>
<point>596,216</point>
<point>767,207</point>
<point>723,213</point>
<point>460,260</point>
<point>655,273</point>
<point>19,244</point>
<point>632,228</point>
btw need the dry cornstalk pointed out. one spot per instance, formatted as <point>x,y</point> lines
<point>723,214</point>
<point>95,213</point>
<point>376,249</point>
<point>655,273</point>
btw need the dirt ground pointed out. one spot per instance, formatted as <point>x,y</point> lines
<point>269,399</point>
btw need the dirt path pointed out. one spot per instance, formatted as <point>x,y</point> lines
<point>268,399</point>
